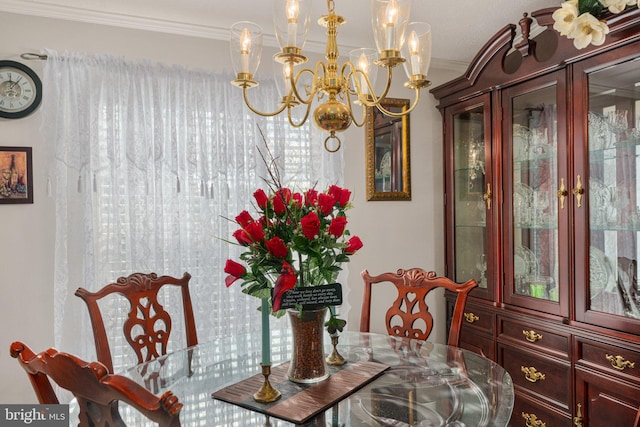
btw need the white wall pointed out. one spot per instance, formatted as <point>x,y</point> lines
<point>395,234</point>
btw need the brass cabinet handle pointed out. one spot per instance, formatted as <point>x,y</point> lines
<point>470,317</point>
<point>531,335</point>
<point>577,420</point>
<point>487,196</point>
<point>531,420</point>
<point>531,374</point>
<point>578,191</point>
<point>562,193</point>
<point>619,363</point>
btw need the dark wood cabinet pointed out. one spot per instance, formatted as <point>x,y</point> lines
<point>542,208</point>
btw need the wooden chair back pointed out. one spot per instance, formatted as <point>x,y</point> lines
<point>96,391</point>
<point>147,328</point>
<point>409,314</point>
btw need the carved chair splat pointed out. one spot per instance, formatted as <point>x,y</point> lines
<point>148,325</point>
<point>409,314</point>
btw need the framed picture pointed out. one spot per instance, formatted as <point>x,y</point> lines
<point>16,175</point>
<point>388,170</point>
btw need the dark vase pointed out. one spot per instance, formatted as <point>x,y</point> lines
<point>308,363</point>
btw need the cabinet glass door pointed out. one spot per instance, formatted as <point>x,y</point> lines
<point>532,183</point>
<point>469,210</point>
<point>613,189</point>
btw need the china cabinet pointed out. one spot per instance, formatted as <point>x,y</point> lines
<point>542,201</point>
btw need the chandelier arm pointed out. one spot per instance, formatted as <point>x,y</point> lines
<point>375,99</point>
<point>404,112</point>
<point>353,117</point>
<point>304,119</point>
<point>294,86</point>
<point>248,104</point>
<point>378,99</point>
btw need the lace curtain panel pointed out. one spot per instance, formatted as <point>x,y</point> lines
<point>149,162</point>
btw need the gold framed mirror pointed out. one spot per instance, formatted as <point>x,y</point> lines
<point>388,165</point>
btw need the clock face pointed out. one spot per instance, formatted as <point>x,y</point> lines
<point>20,90</point>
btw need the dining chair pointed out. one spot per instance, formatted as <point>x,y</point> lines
<point>147,327</point>
<point>97,392</point>
<point>409,314</point>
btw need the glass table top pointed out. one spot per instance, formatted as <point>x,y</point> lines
<point>426,384</point>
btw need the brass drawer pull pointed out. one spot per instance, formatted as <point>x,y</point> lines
<point>531,336</point>
<point>531,374</point>
<point>562,193</point>
<point>487,196</point>
<point>619,363</point>
<point>532,420</point>
<point>578,191</point>
<point>470,317</point>
<point>577,420</point>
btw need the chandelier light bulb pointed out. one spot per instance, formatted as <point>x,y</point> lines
<point>287,70</point>
<point>363,65</point>
<point>392,18</point>
<point>292,18</point>
<point>245,47</point>
<point>414,49</point>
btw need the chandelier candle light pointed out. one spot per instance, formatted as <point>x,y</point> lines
<point>330,83</point>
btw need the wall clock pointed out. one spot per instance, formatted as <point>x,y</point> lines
<point>20,90</point>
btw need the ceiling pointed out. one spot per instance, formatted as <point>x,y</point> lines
<point>460,28</point>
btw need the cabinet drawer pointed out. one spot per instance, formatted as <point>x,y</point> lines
<point>547,378</point>
<point>606,401</point>
<point>611,358</point>
<point>527,410</point>
<point>538,337</point>
<point>478,319</point>
<point>473,341</point>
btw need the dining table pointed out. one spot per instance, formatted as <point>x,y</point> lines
<point>417,383</point>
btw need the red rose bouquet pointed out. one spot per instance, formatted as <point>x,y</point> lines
<point>295,240</point>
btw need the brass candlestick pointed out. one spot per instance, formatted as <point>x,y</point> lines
<point>266,393</point>
<point>335,358</point>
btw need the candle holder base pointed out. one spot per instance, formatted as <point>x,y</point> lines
<point>335,358</point>
<point>267,393</point>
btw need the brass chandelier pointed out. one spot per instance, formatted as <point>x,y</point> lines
<point>330,83</point>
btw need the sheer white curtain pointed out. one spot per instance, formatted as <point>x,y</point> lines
<point>149,160</point>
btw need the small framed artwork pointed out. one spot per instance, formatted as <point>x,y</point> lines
<point>388,172</point>
<point>16,175</point>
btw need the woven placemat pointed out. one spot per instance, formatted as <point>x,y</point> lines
<point>300,402</point>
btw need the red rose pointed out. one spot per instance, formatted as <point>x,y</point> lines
<point>341,195</point>
<point>255,230</point>
<point>261,198</point>
<point>279,205</point>
<point>326,203</point>
<point>311,197</point>
<point>353,245</point>
<point>297,199</point>
<point>242,237</point>
<point>338,225</point>
<point>276,247</point>
<point>310,225</point>
<point>244,219</point>
<point>234,270</point>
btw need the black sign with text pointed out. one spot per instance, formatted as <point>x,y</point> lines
<point>311,296</point>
